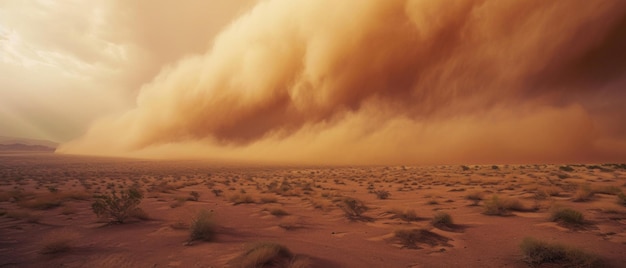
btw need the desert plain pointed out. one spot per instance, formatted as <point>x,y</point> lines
<point>341,216</point>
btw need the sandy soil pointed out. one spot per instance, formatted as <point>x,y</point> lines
<point>46,198</point>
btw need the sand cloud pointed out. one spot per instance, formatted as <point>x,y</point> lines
<point>389,82</point>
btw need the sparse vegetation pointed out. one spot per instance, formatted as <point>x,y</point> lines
<point>442,220</point>
<point>621,199</point>
<point>117,208</point>
<point>406,215</point>
<point>202,227</point>
<point>353,208</point>
<point>537,252</point>
<point>583,194</point>
<point>411,238</point>
<point>268,254</point>
<point>193,196</point>
<point>57,242</point>
<point>502,206</point>
<point>278,212</point>
<point>382,194</point>
<point>239,198</point>
<point>567,216</point>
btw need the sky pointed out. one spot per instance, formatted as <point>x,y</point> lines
<point>319,82</point>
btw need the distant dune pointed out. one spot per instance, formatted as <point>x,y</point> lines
<point>23,144</point>
<point>25,147</point>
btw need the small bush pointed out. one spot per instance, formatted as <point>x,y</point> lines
<point>267,199</point>
<point>117,208</point>
<point>353,208</point>
<point>442,220</point>
<point>502,206</point>
<point>279,212</point>
<point>382,194</point>
<point>410,238</point>
<point>406,215</point>
<point>583,194</point>
<point>57,242</point>
<point>621,199</point>
<point>567,216</point>
<point>239,198</point>
<point>193,196</point>
<point>268,254</point>
<point>202,227</point>
<point>538,252</point>
<point>566,168</point>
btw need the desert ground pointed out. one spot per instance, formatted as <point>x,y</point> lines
<point>379,216</point>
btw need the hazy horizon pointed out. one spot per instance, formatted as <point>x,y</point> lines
<point>319,82</point>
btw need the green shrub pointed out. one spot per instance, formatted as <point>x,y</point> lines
<point>117,208</point>
<point>202,227</point>
<point>538,252</point>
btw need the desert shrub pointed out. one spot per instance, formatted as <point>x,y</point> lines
<point>621,199</point>
<point>41,202</point>
<point>202,227</point>
<point>117,208</point>
<point>217,192</point>
<point>193,196</point>
<point>23,215</point>
<point>410,238</point>
<point>583,194</point>
<point>382,194</point>
<point>353,208</point>
<point>442,219</point>
<point>57,242</point>
<point>538,252</point>
<point>139,213</point>
<point>268,254</point>
<point>610,190</point>
<point>566,168</point>
<point>432,202</point>
<point>406,215</point>
<point>501,206</point>
<point>267,199</point>
<point>475,196</point>
<point>239,198</point>
<point>567,216</point>
<point>278,212</point>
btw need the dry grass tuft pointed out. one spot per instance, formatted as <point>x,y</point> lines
<point>411,238</point>
<point>239,198</point>
<point>567,216</point>
<point>202,227</point>
<point>503,206</point>
<point>268,254</point>
<point>57,242</point>
<point>442,220</point>
<point>583,194</point>
<point>406,214</point>
<point>538,252</point>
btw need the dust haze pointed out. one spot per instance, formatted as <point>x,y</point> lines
<point>389,82</point>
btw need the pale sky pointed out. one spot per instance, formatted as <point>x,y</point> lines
<point>319,82</point>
